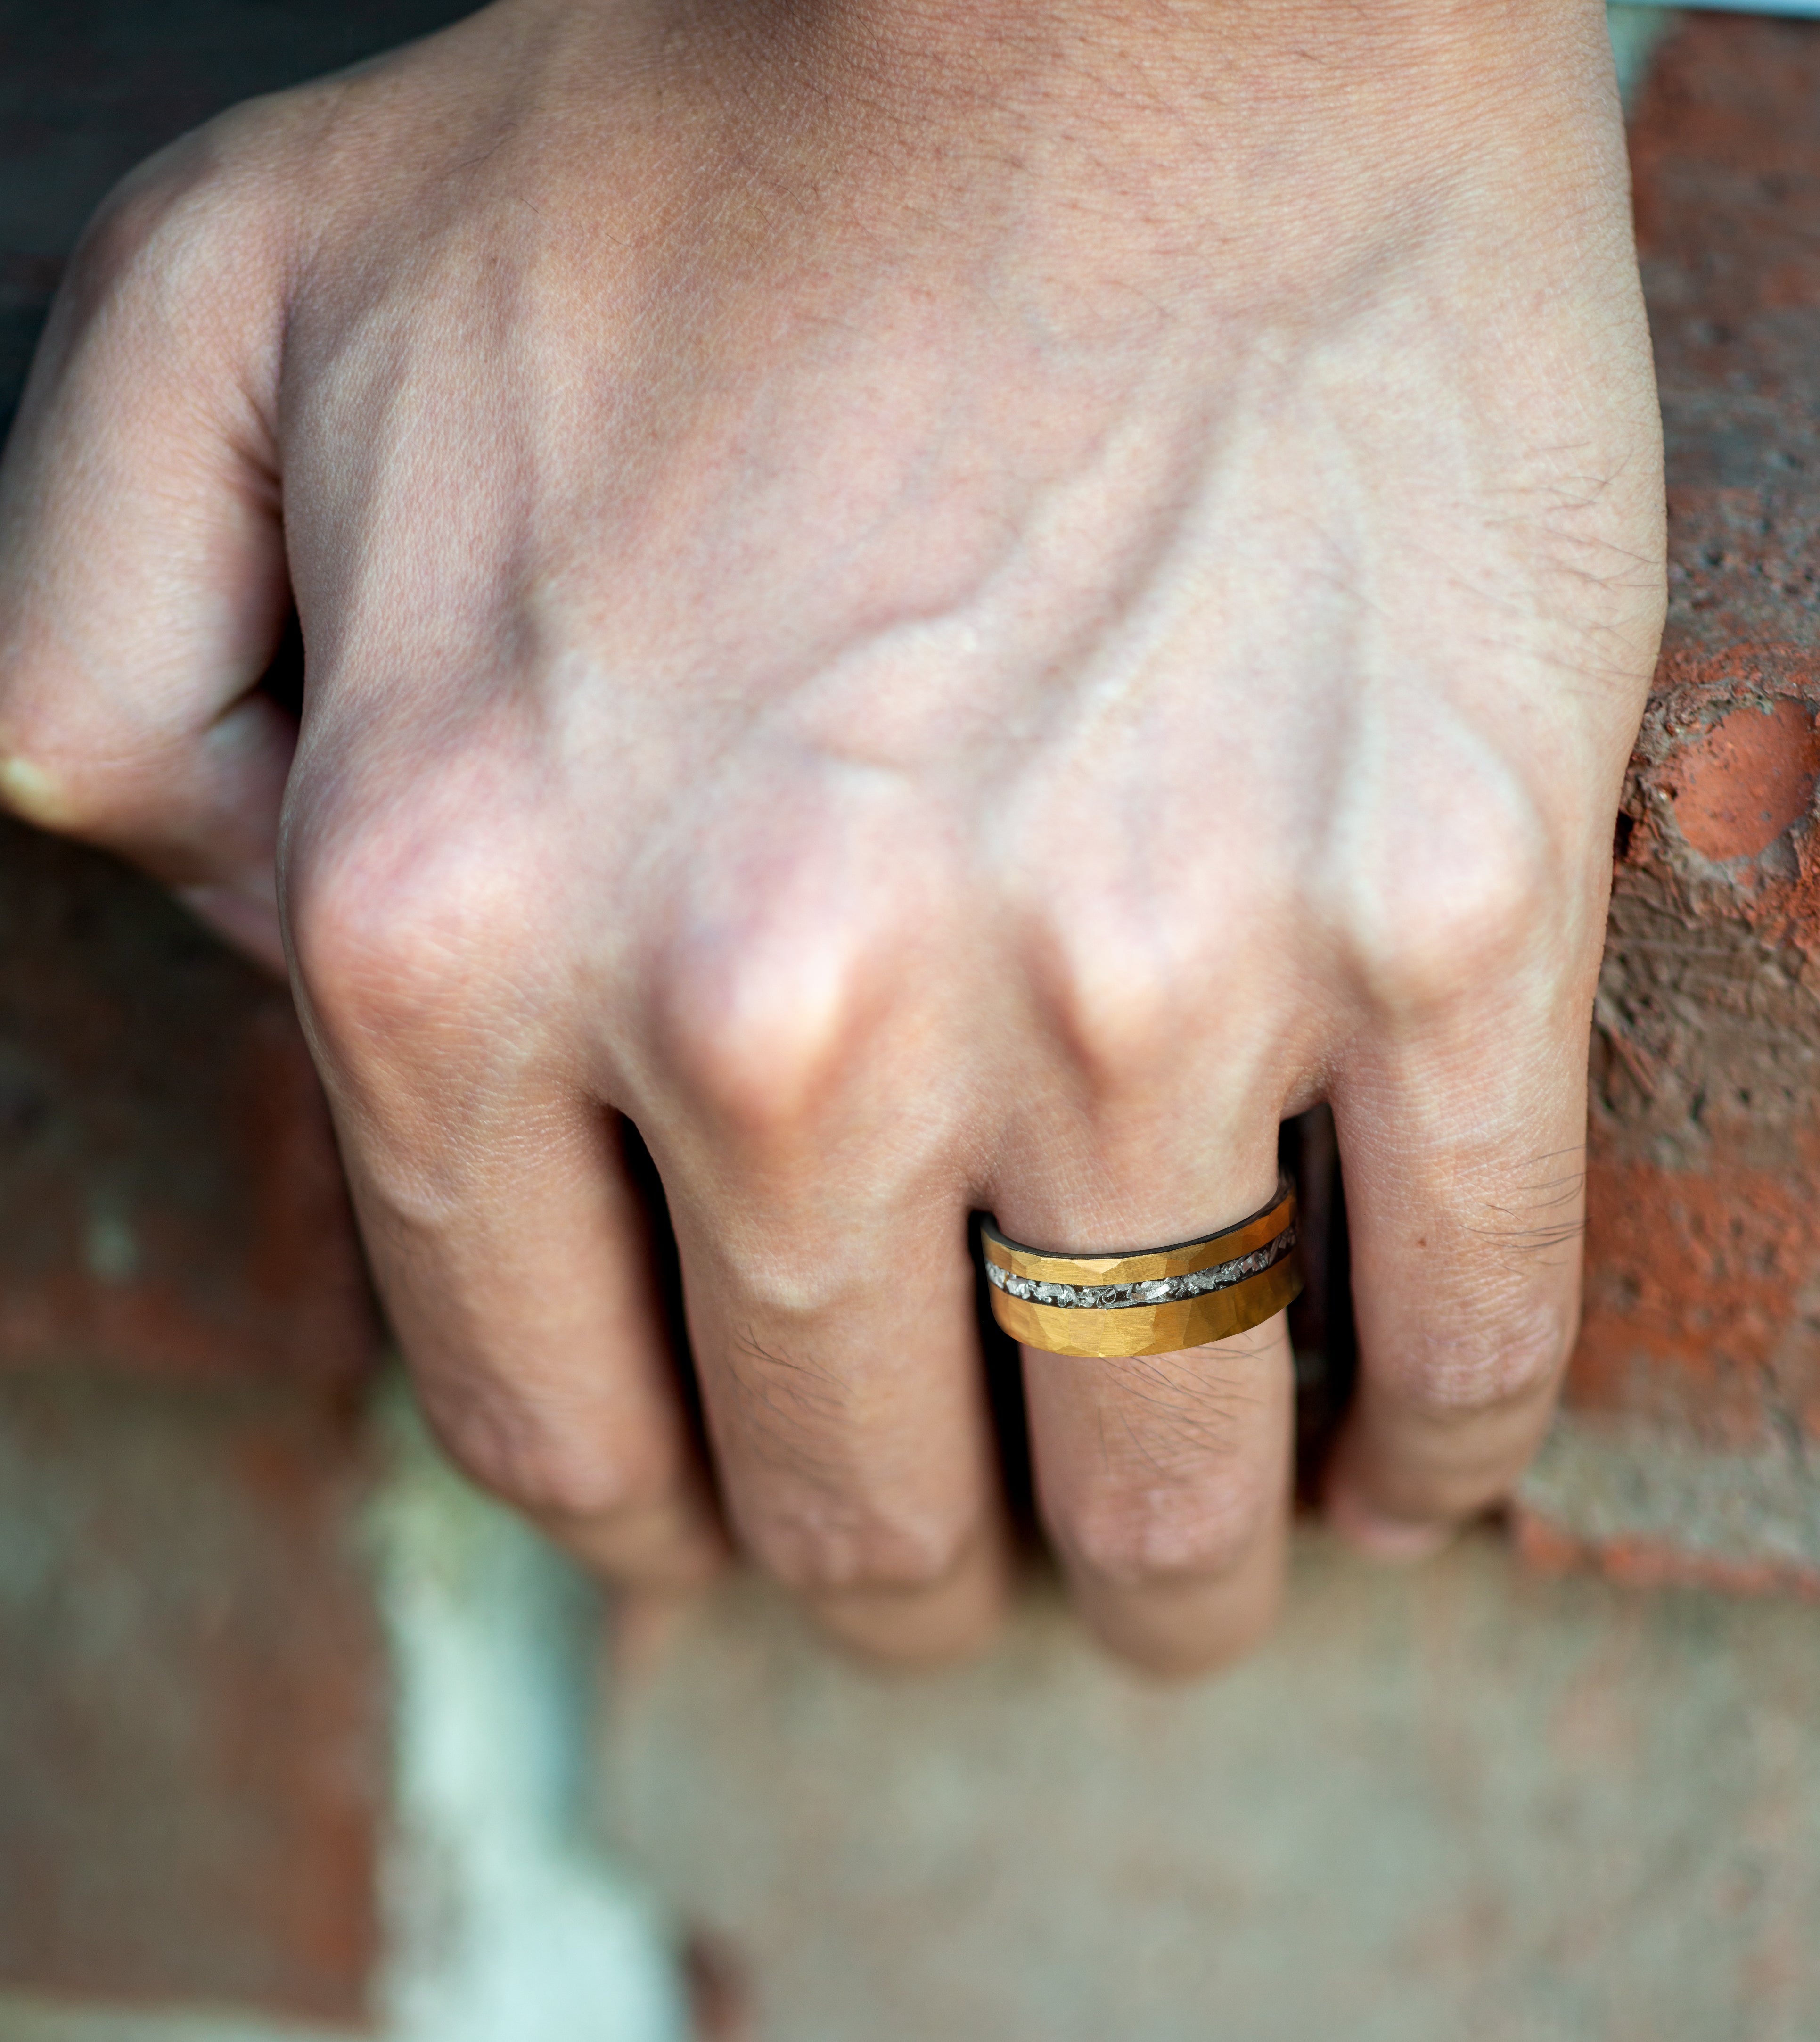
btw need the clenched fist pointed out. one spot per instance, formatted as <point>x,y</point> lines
<point>948,608</point>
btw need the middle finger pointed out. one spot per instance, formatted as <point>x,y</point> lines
<point>847,1413</point>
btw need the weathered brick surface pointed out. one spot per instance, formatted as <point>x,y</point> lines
<point>170,1200</point>
<point>191,1693</point>
<point>1696,1393</point>
<point>192,1697</point>
<point>1452,1805</point>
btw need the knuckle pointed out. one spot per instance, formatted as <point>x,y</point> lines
<point>1126,923</point>
<point>874,1546</point>
<point>1115,995</point>
<point>760,1027</point>
<point>141,225</point>
<point>139,228</point>
<point>1484,1369</point>
<point>405,924</point>
<point>1244,1622</point>
<point>181,214</point>
<point>538,1463</point>
<point>1244,1631</point>
<point>782,1273</point>
<point>1133,1538</point>
<point>1434,921</point>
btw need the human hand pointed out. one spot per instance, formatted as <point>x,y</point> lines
<point>947,609</point>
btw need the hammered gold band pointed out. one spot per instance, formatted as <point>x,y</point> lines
<point>1154,1300</point>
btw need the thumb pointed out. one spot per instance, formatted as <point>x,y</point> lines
<point>142,583</point>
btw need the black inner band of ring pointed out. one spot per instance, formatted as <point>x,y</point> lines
<point>1285,1186</point>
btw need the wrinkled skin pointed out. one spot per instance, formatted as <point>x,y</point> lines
<point>949,609</point>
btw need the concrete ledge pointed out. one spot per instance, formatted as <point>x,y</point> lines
<point>1455,1801</point>
<point>1651,1505</point>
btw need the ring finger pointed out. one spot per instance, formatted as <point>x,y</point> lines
<point>1164,1478</point>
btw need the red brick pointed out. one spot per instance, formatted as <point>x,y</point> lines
<point>1547,1548</point>
<point>1699,1298</point>
<point>192,1720</point>
<point>1703,1316</point>
<point>170,1200</point>
<point>193,1704</point>
<point>1736,789</point>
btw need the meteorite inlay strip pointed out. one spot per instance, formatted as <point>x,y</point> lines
<point>1160,1290</point>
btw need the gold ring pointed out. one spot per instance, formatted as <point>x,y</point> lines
<point>1154,1300</point>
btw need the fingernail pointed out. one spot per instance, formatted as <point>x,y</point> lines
<point>31,793</point>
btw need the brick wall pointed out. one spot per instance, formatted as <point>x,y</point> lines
<point>194,1709</point>
<point>1695,1398</point>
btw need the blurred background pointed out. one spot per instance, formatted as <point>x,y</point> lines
<point>300,1737</point>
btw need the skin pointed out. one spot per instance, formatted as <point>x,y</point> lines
<point>949,609</point>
